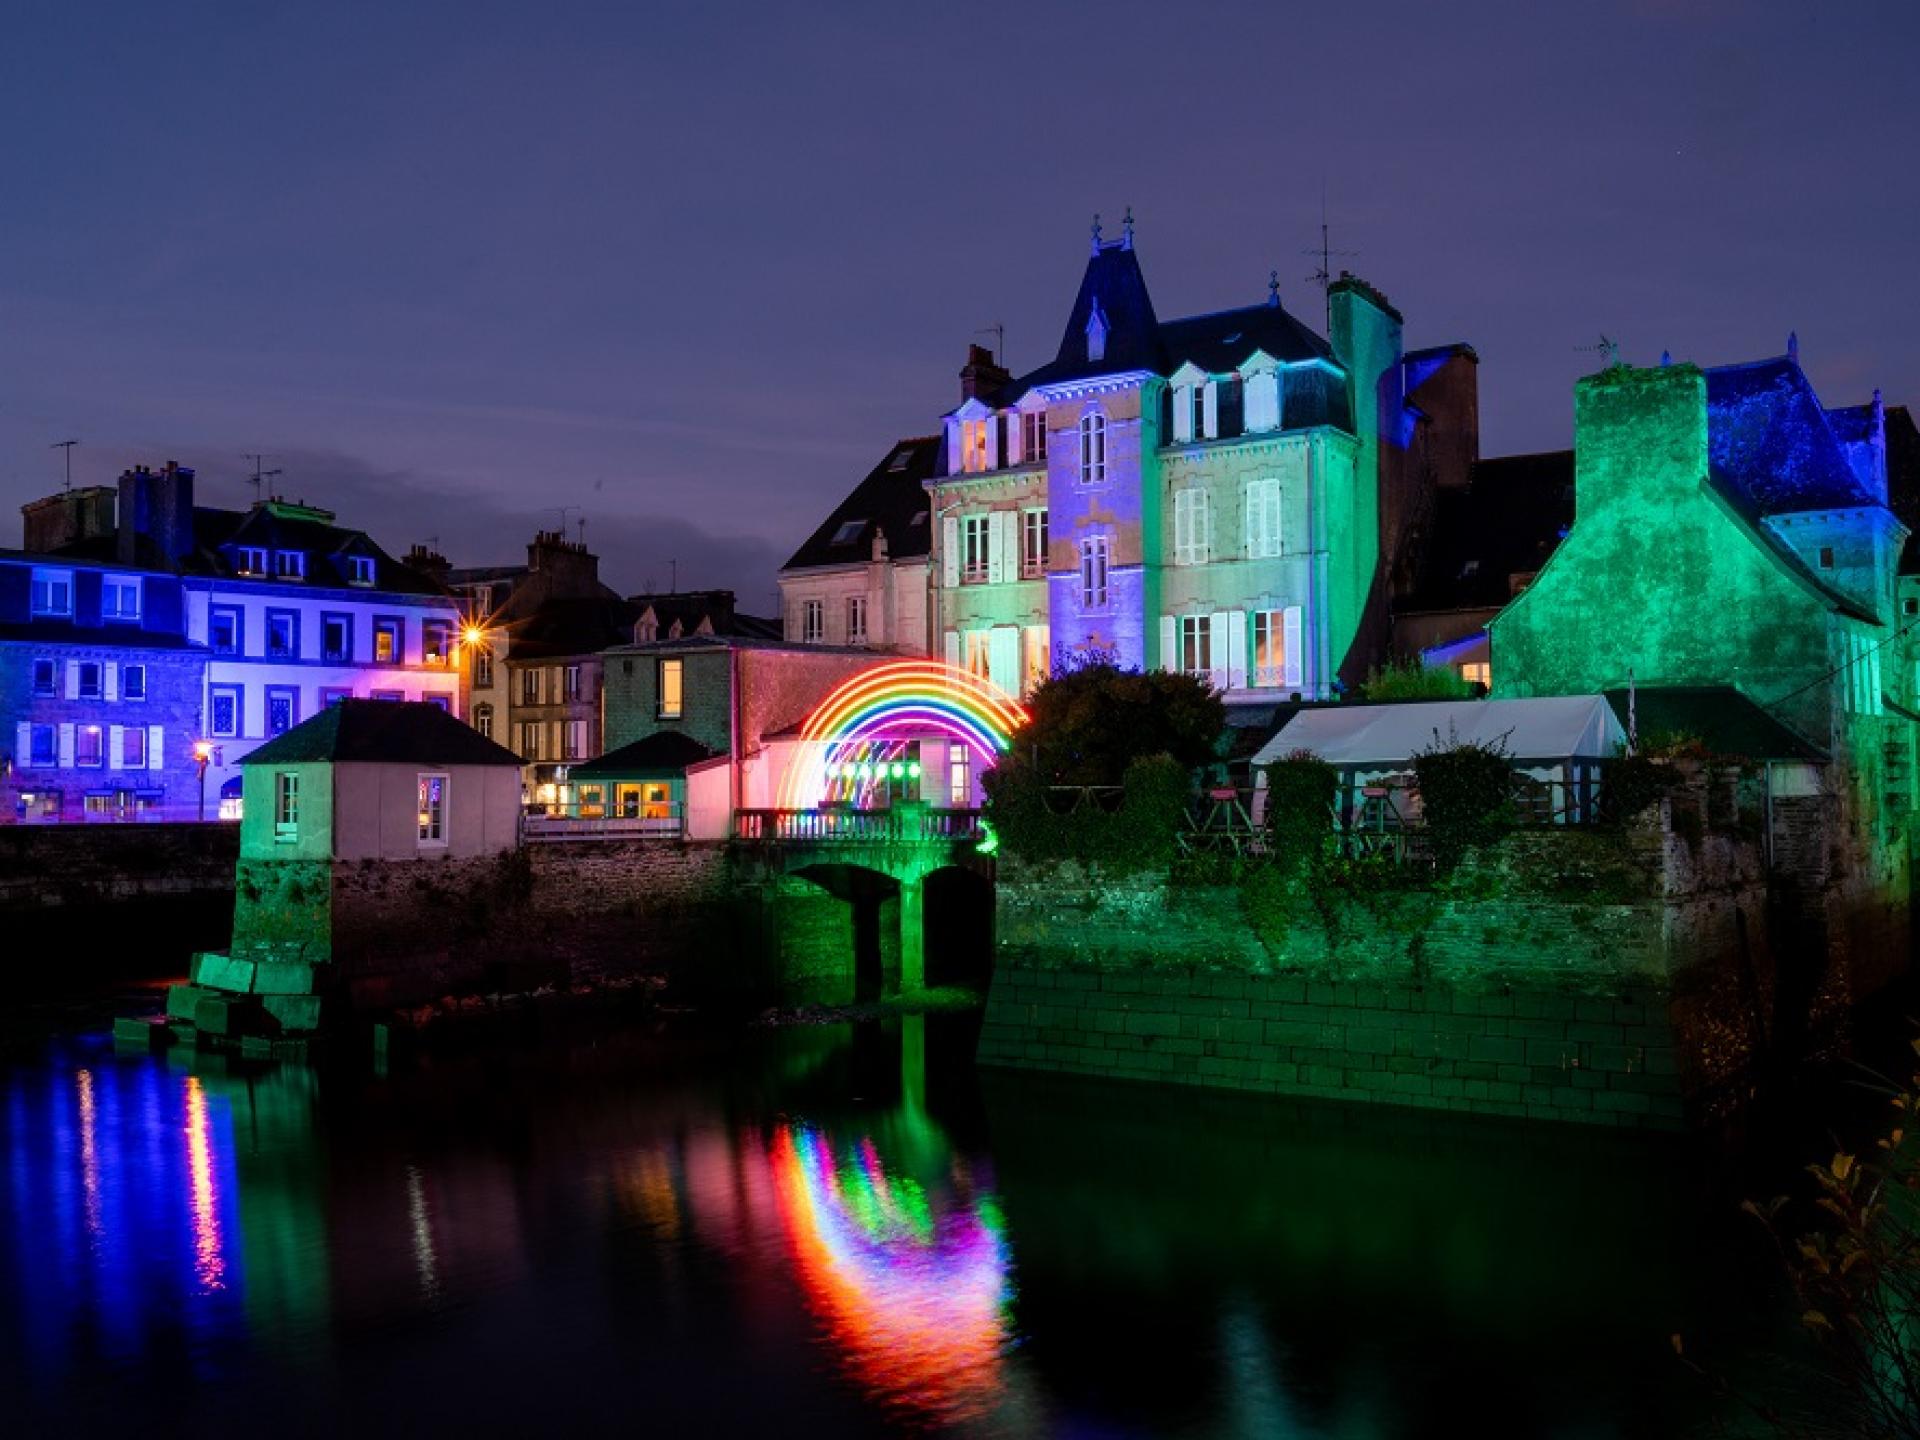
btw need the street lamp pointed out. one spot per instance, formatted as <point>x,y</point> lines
<point>202,753</point>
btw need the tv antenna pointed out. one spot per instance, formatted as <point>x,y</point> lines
<point>1325,253</point>
<point>260,475</point>
<point>563,511</point>
<point>66,445</point>
<point>1607,347</point>
<point>999,333</point>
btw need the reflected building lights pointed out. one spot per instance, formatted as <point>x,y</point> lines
<point>210,1265</point>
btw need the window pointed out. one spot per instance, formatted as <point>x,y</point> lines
<point>394,695</point>
<point>960,775</point>
<point>133,748</point>
<point>483,666</point>
<point>973,445</point>
<point>1263,519</point>
<point>1033,544</point>
<point>572,674</point>
<point>286,806</point>
<point>1192,527</point>
<point>90,686</point>
<point>336,638</point>
<point>334,694</point>
<point>43,744</point>
<point>224,629</point>
<point>902,458</point>
<point>573,740</point>
<point>290,564</point>
<point>1038,661</point>
<point>670,697</point>
<point>120,597</point>
<point>283,709</point>
<point>386,642</point>
<point>360,569</point>
<point>133,682</point>
<point>856,619</point>
<point>250,560</point>
<point>436,641</point>
<point>283,634</point>
<point>1093,448</point>
<point>1093,573</point>
<point>976,653</point>
<point>223,707</point>
<point>813,621</point>
<point>46,677</point>
<point>530,686</point>
<point>848,532</point>
<point>1196,646</point>
<point>976,547</point>
<point>89,746</point>
<point>1033,436</point>
<point>53,592</point>
<point>1477,672</point>
<point>1197,399</point>
<point>1269,648</point>
<point>483,720</point>
<point>530,740</point>
<point>1826,557</point>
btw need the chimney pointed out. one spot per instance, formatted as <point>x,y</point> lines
<point>569,569</point>
<point>156,509</point>
<point>981,375</point>
<point>430,563</point>
<point>57,521</point>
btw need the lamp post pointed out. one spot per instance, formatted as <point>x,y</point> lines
<point>202,753</point>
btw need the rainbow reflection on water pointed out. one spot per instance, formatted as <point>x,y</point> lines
<point>915,1296</point>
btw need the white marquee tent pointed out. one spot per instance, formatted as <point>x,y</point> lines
<point>1547,731</point>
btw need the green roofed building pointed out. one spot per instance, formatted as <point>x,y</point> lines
<point>641,788</point>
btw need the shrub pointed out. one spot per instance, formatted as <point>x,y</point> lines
<point>1631,784</point>
<point>1301,788</point>
<point>1142,833</point>
<point>1466,794</point>
<point>1092,720</point>
<point>1412,679</point>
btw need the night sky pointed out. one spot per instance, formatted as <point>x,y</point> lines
<point>692,268</point>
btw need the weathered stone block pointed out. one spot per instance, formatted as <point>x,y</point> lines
<point>181,999</point>
<point>221,972</point>
<point>132,1032</point>
<point>223,1014</point>
<point>283,977</point>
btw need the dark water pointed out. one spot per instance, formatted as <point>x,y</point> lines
<point>827,1232</point>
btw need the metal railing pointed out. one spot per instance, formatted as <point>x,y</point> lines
<point>855,827</point>
<point>542,825</point>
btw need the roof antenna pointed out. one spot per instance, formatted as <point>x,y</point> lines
<point>999,333</point>
<point>581,525</point>
<point>562,511</point>
<point>260,477</point>
<point>1126,230</point>
<point>1608,348</point>
<point>1323,273</point>
<point>66,445</point>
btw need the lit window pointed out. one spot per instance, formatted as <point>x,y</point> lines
<point>973,445</point>
<point>360,569</point>
<point>53,592</point>
<point>1039,657</point>
<point>670,689</point>
<point>1196,645</point>
<point>89,746</point>
<point>1093,448</point>
<point>856,619</point>
<point>573,745</point>
<point>436,641</point>
<point>813,621</point>
<point>1263,519</point>
<point>1093,573</point>
<point>133,748</point>
<point>977,653</point>
<point>386,642</point>
<point>1033,544</point>
<point>960,776</point>
<point>133,682</point>
<point>290,564</point>
<point>1192,528</point>
<point>976,547</point>
<point>120,597</point>
<point>573,682</point>
<point>1478,672</point>
<point>45,677</point>
<point>848,532</point>
<point>250,560</point>
<point>286,806</point>
<point>433,809</point>
<point>1033,436</point>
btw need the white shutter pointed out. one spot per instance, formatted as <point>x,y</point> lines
<point>1006,544</point>
<point>116,747</point>
<point>1014,438</point>
<point>66,747</point>
<point>1003,658</point>
<point>950,552</point>
<point>111,681</point>
<point>1262,413</point>
<point>1291,632</point>
<point>156,747</point>
<point>1182,414</point>
<point>1217,649</point>
<point>953,648</point>
<point>73,679</point>
<point>1169,643</point>
<point>22,746</point>
<point>1202,527</point>
<point>1236,649</point>
<point>1212,417</point>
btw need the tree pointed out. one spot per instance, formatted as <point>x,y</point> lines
<point>1093,720</point>
<point>1415,680</point>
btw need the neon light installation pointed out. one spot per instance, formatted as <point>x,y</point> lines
<point>916,1298</point>
<point>863,722</point>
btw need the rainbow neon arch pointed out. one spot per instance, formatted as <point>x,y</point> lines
<point>902,700</point>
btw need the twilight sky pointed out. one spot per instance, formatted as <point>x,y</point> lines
<point>692,268</point>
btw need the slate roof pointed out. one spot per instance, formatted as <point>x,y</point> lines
<point>1722,718</point>
<point>373,731</point>
<point>892,497</point>
<point>691,608</point>
<point>570,627</point>
<point>663,752</point>
<point>1513,513</point>
<point>1771,447</point>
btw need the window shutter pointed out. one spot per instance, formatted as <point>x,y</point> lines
<point>156,747</point>
<point>950,552</point>
<point>66,747</point>
<point>1250,528</point>
<point>22,746</point>
<point>1291,631</point>
<point>1182,415</point>
<point>1202,526</point>
<point>1217,649</point>
<point>1169,643</point>
<point>1236,649</point>
<point>1003,658</point>
<point>73,679</point>
<point>953,648</point>
<point>111,680</point>
<point>1211,419</point>
<point>1279,400</point>
<point>116,747</point>
<point>996,549</point>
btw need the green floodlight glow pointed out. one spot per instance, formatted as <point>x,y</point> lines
<point>897,770</point>
<point>913,768</point>
<point>866,770</point>
<point>988,841</point>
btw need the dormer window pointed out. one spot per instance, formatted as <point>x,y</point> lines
<point>251,560</point>
<point>360,569</point>
<point>848,532</point>
<point>290,564</point>
<point>901,459</point>
<point>1033,436</point>
<point>1096,334</point>
<point>973,446</point>
<point>1197,408</point>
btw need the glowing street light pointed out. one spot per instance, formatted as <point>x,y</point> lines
<point>202,753</point>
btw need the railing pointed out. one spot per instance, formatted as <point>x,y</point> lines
<point>855,827</point>
<point>670,825</point>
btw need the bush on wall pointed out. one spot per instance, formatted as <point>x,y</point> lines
<point>1037,822</point>
<point>1466,795</point>
<point>1301,788</point>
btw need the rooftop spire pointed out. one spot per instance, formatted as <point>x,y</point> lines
<point>1793,346</point>
<point>1126,230</point>
<point>1096,232</point>
<point>1273,288</point>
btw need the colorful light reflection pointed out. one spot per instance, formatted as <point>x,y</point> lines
<point>915,1297</point>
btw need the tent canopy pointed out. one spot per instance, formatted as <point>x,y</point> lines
<point>1547,729</point>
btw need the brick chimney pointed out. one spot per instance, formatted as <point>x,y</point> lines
<point>57,521</point>
<point>567,567</point>
<point>156,508</point>
<point>981,375</point>
<point>430,563</point>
